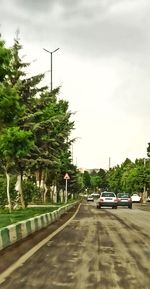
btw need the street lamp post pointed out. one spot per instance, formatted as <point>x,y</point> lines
<point>51,66</point>
<point>144,189</point>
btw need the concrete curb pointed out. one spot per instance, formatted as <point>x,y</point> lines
<point>20,230</point>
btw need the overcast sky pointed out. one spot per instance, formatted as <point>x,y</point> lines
<point>102,66</point>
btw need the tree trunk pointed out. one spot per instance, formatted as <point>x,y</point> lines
<point>45,193</point>
<point>19,179</point>
<point>8,193</point>
<point>61,196</point>
<point>51,193</point>
<point>55,194</point>
<point>37,175</point>
<point>40,181</point>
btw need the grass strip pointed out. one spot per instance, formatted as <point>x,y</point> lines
<point>20,215</point>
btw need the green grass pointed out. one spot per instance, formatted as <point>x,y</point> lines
<point>20,215</point>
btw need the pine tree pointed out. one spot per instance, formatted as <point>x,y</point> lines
<point>27,107</point>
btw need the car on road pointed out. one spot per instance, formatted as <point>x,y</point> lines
<point>95,195</point>
<point>136,198</point>
<point>148,199</point>
<point>107,199</point>
<point>90,198</point>
<point>124,199</point>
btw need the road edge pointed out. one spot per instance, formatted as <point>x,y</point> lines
<point>30,253</point>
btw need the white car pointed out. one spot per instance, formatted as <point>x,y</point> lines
<point>90,198</point>
<point>95,195</point>
<point>148,199</point>
<point>135,198</point>
<point>107,199</point>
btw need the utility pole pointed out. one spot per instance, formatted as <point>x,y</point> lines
<point>51,66</point>
<point>72,152</point>
<point>144,186</point>
<point>109,164</point>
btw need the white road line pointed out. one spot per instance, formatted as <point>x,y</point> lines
<point>26,256</point>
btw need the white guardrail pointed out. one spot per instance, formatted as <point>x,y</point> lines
<point>20,230</point>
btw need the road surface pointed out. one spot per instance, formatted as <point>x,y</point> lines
<point>98,249</point>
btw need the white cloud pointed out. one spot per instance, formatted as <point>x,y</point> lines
<point>127,7</point>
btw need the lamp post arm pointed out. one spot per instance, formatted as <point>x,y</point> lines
<point>51,66</point>
<point>51,71</point>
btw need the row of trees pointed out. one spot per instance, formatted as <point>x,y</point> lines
<point>128,177</point>
<point>35,130</point>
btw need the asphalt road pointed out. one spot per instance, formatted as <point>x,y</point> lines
<point>98,249</point>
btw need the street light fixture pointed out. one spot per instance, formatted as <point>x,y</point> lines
<point>144,187</point>
<point>51,66</point>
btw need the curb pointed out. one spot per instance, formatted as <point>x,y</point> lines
<point>15,232</point>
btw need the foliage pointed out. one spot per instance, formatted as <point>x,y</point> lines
<point>95,182</point>
<point>15,143</point>
<point>114,178</point>
<point>86,179</point>
<point>5,57</point>
<point>35,125</point>
<point>10,110</point>
<point>148,150</point>
<point>31,191</point>
<point>128,177</point>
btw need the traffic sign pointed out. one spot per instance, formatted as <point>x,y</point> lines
<point>66,177</point>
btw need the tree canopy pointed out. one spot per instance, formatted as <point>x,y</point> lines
<point>35,125</point>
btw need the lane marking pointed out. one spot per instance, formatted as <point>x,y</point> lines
<point>26,256</point>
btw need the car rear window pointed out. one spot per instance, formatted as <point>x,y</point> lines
<point>108,195</point>
<point>122,195</point>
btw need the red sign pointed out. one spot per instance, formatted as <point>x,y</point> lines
<point>66,176</point>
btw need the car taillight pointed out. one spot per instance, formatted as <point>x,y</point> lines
<point>101,200</point>
<point>115,200</point>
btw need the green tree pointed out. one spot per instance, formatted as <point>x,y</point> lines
<point>114,179</point>
<point>102,179</point>
<point>25,106</point>
<point>10,110</point>
<point>86,179</point>
<point>5,57</point>
<point>15,146</point>
<point>95,182</point>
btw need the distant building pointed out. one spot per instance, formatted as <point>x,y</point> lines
<point>82,170</point>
